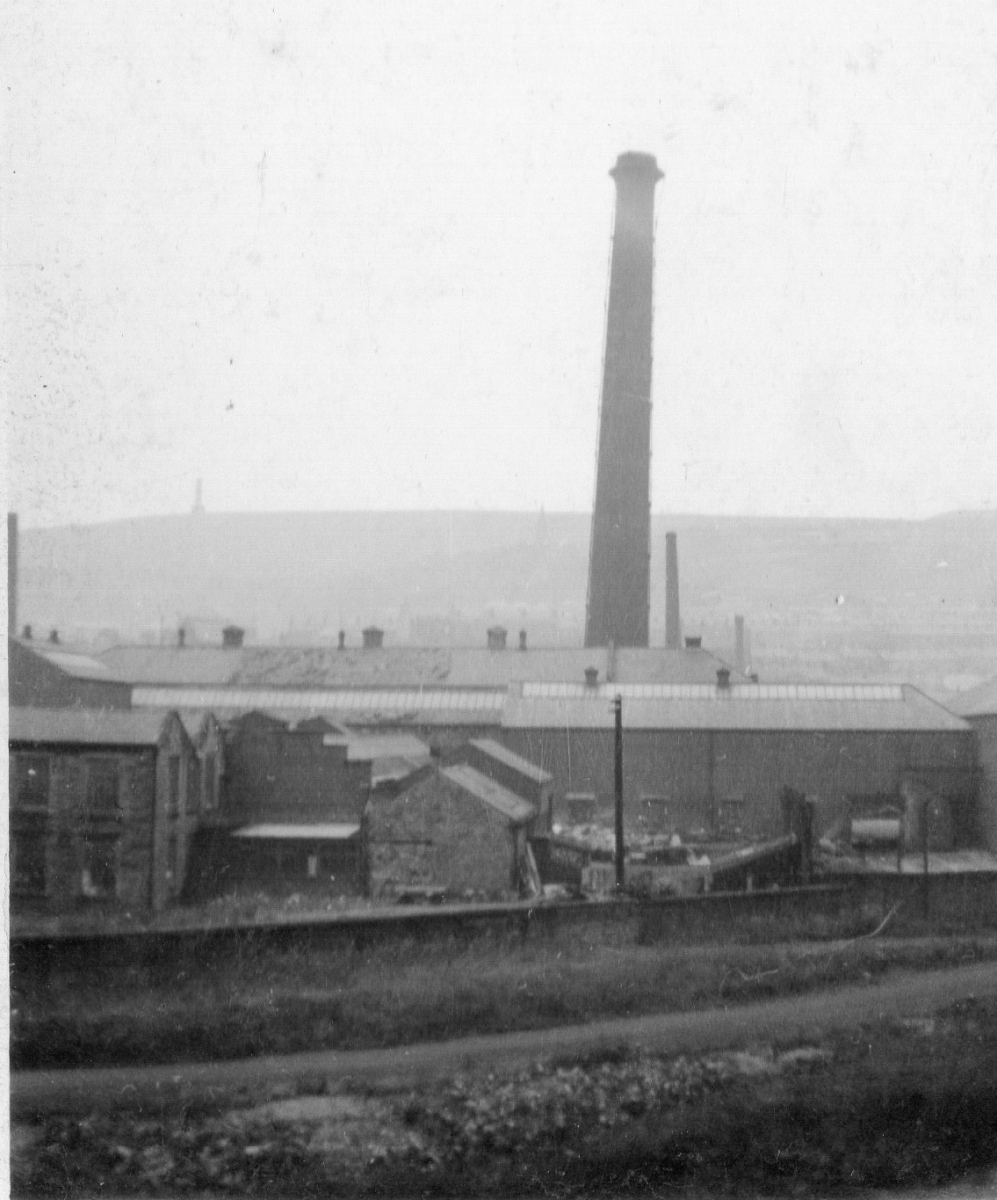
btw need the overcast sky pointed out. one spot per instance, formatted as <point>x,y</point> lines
<point>356,256</point>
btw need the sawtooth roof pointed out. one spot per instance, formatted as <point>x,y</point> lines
<point>815,707</point>
<point>399,666</point>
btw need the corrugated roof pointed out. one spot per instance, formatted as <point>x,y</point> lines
<point>504,755</point>
<point>980,701</point>
<point>399,666</point>
<point>313,833</point>
<point>501,799</point>
<point>812,707</point>
<point>93,726</point>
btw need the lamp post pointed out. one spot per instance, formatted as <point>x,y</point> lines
<point>618,755</point>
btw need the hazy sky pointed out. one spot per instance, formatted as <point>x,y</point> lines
<point>356,255</point>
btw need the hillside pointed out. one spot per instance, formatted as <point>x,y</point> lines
<point>919,597</point>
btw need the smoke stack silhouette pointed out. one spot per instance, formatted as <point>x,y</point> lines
<point>12,549</point>
<point>673,621</point>
<point>619,563</point>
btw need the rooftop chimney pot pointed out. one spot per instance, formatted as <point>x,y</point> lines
<point>591,676</point>
<point>723,678</point>
<point>496,637</point>
<point>693,643</point>
<point>53,637</point>
<point>373,638</point>
<point>181,637</point>
<point>233,636</point>
<point>342,639</point>
<point>522,639</point>
<point>26,633</point>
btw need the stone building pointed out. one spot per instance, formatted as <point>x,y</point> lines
<point>101,811</point>
<point>454,830</point>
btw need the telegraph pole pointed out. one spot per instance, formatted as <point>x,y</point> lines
<point>618,710</point>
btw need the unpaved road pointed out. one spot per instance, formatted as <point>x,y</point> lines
<point>802,1017</point>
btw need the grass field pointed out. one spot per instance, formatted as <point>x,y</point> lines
<point>889,1104</point>
<point>415,991</point>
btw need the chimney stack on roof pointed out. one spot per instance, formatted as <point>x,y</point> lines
<point>342,639</point>
<point>181,637</point>
<point>693,643</point>
<point>591,677</point>
<point>496,637</point>
<point>53,637</point>
<point>673,621</point>
<point>373,638</point>
<point>723,678</point>
<point>26,633</point>
<point>233,636</point>
<point>522,639</point>
<point>740,655</point>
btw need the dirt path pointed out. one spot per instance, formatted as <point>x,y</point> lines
<point>794,1017</point>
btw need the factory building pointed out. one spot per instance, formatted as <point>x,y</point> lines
<point>713,761</point>
<point>979,708</point>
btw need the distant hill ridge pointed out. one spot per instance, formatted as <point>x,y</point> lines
<point>427,577</point>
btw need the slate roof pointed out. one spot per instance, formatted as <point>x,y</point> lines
<point>398,666</point>
<point>760,707</point>
<point>523,765</point>
<point>72,662</point>
<point>493,794</point>
<point>979,701</point>
<point>97,727</point>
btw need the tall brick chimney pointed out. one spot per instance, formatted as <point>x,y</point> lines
<point>619,561</point>
<point>740,652</point>
<point>673,619</point>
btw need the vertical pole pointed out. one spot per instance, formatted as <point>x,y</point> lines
<point>618,710</point>
<point>924,851</point>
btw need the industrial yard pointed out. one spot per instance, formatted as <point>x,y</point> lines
<point>421,812</point>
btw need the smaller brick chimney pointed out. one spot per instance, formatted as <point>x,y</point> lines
<point>233,637</point>
<point>496,637</point>
<point>522,639</point>
<point>723,679</point>
<point>591,677</point>
<point>342,639</point>
<point>693,643</point>
<point>373,638</point>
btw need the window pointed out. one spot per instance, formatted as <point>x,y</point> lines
<point>100,866</point>
<point>102,788</point>
<point>194,786</point>
<point>210,782</point>
<point>27,853</point>
<point>173,792</point>
<point>30,785</point>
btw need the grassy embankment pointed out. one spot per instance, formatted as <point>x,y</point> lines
<point>891,1104</point>
<point>419,990</point>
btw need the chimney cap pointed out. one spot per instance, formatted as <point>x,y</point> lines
<point>635,163</point>
<point>233,636</point>
<point>723,678</point>
<point>591,676</point>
